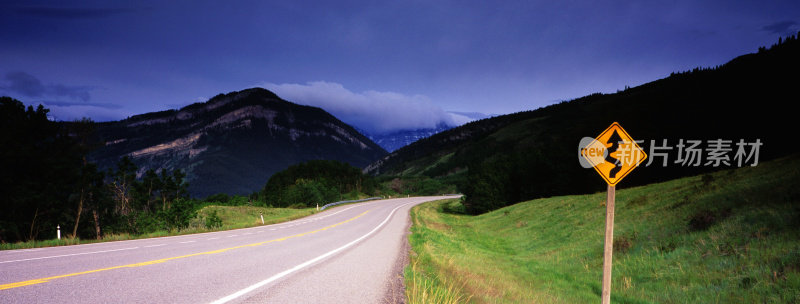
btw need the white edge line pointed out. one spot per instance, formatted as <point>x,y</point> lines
<point>304,264</point>
<point>66,255</point>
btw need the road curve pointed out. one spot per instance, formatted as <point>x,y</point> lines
<point>348,254</point>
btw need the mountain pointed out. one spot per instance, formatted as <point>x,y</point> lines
<point>526,155</point>
<point>233,142</point>
<point>391,141</point>
<point>395,140</point>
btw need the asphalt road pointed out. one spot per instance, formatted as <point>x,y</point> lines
<point>348,254</point>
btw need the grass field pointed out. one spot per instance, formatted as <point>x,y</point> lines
<point>234,217</point>
<point>230,217</point>
<point>728,237</point>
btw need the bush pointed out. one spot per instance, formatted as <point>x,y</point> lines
<point>179,214</point>
<point>213,220</point>
<point>484,192</point>
<point>622,244</point>
<point>705,218</point>
<point>430,186</point>
<point>147,222</point>
<point>454,208</point>
<point>707,179</point>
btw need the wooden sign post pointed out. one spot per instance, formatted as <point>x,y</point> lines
<point>608,245</point>
<point>613,155</point>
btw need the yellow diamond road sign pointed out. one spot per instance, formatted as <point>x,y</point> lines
<point>613,154</point>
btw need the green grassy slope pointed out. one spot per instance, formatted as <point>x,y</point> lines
<point>727,237</point>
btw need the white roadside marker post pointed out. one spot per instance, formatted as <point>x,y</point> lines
<point>58,231</point>
<point>262,218</point>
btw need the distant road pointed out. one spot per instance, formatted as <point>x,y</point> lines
<point>348,254</point>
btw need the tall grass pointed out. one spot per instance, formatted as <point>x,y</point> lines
<point>421,288</point>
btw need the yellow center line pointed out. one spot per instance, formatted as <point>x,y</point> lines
<point>45,280</point>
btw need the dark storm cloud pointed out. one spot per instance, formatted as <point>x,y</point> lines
<point>28,85</point>
<point>109,106</point>
<point>405,60</point>
<point>70,111</point>
<point>64,101</point>
<point>23,83</point>
<point>73,13</point>
<point>781,28</point>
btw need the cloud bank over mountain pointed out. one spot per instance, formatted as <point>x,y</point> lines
<point>373,111</point>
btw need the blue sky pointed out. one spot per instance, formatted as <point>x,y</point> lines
<point>380,65</point>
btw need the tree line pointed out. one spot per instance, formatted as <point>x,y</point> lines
<point>46,181</point>
<point>316,182</point>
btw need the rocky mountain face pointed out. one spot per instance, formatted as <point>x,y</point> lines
<point>234,142</point>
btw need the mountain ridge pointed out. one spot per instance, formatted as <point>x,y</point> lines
<point>233,142</point>
<point>532,154</point>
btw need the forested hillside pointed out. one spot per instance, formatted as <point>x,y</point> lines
<point>521,156</point>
